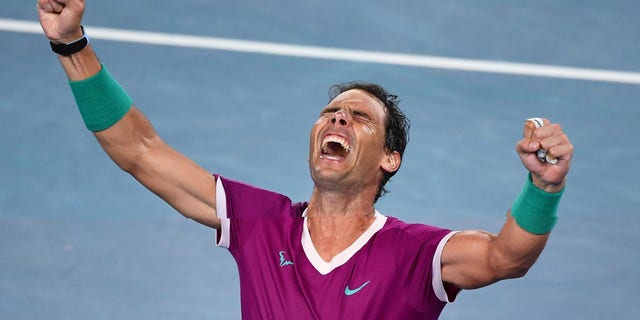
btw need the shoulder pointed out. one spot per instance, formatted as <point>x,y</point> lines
<point>413,231</point>
<point>243,200</point>
<point>234,188</point>
<point>411,240</point>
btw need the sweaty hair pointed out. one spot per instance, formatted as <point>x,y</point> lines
<point>396,124</point>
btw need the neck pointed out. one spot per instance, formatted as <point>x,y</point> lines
<point>335,221</point>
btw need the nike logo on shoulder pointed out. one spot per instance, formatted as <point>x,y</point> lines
<point>350,292</point>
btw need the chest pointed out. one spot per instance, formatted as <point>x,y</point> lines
<point>287,278</point>
<point>282,276</point>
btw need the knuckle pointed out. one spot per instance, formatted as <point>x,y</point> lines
<point>558,126</point>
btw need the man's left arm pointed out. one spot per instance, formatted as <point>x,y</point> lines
<point>474,259</point>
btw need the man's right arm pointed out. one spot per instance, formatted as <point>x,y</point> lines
<point>131,142</point>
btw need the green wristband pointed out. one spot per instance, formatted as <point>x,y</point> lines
<point>535,210</point>
<point>101,100</point>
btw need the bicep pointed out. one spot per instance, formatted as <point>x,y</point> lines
<point>465,260</point>
<point>135,147</point>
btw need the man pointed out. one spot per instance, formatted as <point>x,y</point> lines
<point>335,257</point>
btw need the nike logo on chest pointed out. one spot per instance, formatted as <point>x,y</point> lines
<point>349,292</point>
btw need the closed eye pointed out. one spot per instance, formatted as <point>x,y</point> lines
<point>329,110</point>
<point>360,114</point>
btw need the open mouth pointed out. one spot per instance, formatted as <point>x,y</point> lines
<point>335,147</point>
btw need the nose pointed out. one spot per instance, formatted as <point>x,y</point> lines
<point>340,117</point>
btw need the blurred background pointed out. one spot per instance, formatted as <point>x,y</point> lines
<point>79,239</point>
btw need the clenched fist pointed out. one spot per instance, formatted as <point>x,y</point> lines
<point>549,176</point>
<point>60,19</point>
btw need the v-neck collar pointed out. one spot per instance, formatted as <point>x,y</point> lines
<point>341,258</point>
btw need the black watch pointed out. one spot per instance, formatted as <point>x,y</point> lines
<point>67,49</point>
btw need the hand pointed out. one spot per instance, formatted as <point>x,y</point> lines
<point>60,19</point>
<point>550,137</point>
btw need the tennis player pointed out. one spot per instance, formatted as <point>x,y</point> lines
<point>334,256</point>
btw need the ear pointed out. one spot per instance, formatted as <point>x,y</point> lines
<point>391,161</point>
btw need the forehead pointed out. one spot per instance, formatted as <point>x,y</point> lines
<point>359,100</point>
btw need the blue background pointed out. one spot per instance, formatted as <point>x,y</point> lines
<point>79,239</point>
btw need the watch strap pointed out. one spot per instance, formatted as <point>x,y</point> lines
<point>67,49</point>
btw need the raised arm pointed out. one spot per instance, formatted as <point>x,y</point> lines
<point>473,259</point>
<point>122,130</point>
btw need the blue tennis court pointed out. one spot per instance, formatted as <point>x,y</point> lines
<point>79,239</point>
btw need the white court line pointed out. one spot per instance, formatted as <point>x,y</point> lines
<point>424,61</point>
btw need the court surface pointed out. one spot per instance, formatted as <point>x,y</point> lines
<point>79,239</point>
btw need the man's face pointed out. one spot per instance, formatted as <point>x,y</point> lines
<point>346,147</point>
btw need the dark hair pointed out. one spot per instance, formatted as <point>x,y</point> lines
<point>396,125</point>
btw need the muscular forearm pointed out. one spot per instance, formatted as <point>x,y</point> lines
<point>80,65</point>
<point>130,138</point>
